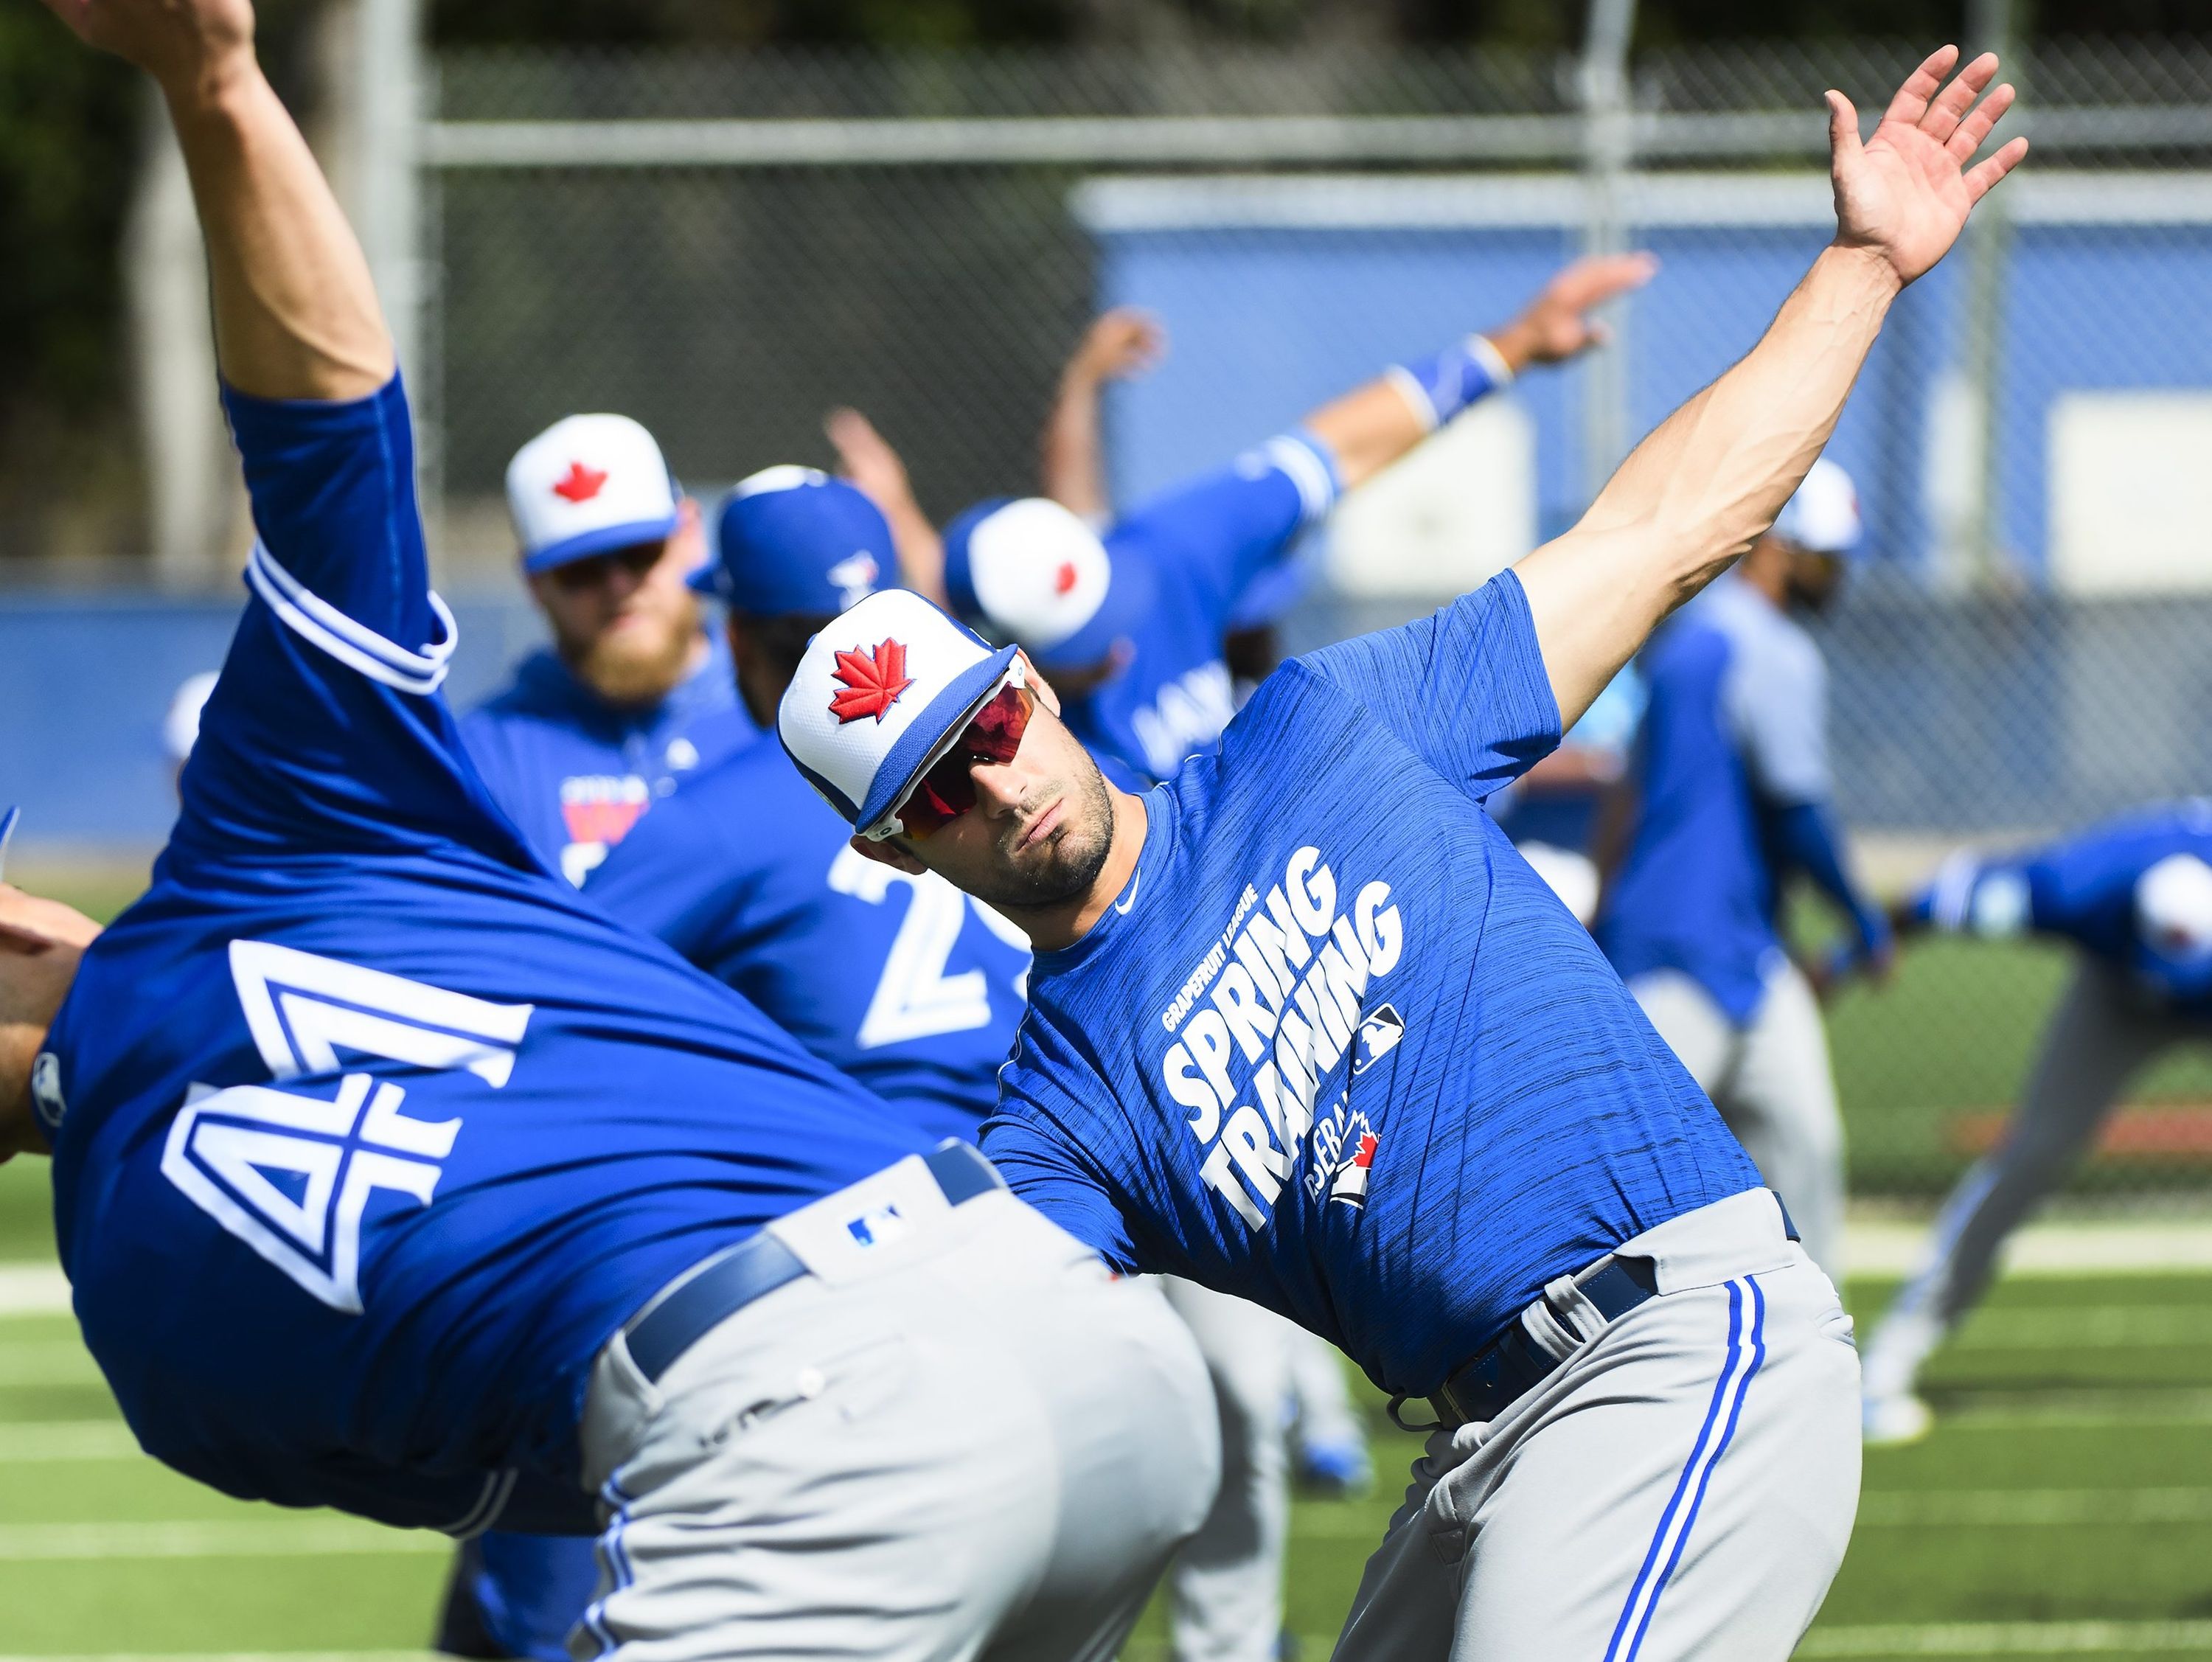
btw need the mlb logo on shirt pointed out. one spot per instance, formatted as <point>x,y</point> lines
<point>876,1226</point>
<point>1378,1036</point>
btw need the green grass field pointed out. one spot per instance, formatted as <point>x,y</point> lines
<point>2063,1508</point>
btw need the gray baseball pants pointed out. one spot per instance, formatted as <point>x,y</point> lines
<point>2101,1034</point>
<point>1682,1487</point>
<point>1772,1084</point>
<point>1225,1591</point>
<point>972,1442</point>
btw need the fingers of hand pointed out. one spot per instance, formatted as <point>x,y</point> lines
<point>1950,105</point>
<point>1842,124</point>
<point>1976,127</point>
<point>1911,100</point>
<point>1981,179</point>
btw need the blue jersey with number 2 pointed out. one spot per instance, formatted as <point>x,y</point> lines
<point>905,984</point>
<point>369,1130</point>
<point>1336,1048</point>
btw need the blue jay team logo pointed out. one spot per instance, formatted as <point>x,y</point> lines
<point>293,1172</point>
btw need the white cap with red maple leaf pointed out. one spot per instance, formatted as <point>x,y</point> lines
<point>588,485</point>
<point>881,691</point>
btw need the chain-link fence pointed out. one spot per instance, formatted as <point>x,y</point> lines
<point>726,246</point>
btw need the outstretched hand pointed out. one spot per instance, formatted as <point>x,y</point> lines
<point>1557,324</point>
<point>1904,194</point>
<point>172,40</point>
<point>1119,345</point>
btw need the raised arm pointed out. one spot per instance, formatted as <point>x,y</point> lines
<point>1379,421</point>
<point>866,458</point>
<point>295,314</point>
<point>1071,471</point>
<point>1702,488</point>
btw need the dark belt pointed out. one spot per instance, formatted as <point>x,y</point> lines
<point>1513,1364</point>
<point>760,1264</point>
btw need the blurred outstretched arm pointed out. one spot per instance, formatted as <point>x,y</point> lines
<point>295,314</point>
<point>866,458</point>
<point>1118,345</point>
<point>1702,488</point>
<point>1379,421</point>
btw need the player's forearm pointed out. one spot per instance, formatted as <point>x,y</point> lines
<point>1070,467</point>
<point>1367,429</point>
<point>1704,486</point>
<point>295,313</point>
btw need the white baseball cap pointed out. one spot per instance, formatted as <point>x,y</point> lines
<point>181,728</point>
<point>588,485</point>
<point>882,693</point>
<point>2173,911</point>
<point>1823,517</point>
<point>1032,571</point>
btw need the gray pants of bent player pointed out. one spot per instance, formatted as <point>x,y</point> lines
<point>1226,1591</point>
<point>1773,1086</point>
<point>2101,1034</point>
<point>1681,1487</point>
<point>972,1442</point>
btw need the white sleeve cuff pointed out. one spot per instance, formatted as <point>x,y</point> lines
<point>354,644</point>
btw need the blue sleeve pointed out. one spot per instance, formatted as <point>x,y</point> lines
<point>1049,1178</point>
<point>1805,837</point>
<point>1465,688</point>
<point>1220,531</point>
<point>325,732</point>
<point>333,493</point>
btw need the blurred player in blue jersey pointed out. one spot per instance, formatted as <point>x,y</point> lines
<point>390,1175</point>
<point>1303,1028</point>
<point>632,695</point>
<point>1731,795</point>
<point>2134,897</point>
<point>1131,622</point>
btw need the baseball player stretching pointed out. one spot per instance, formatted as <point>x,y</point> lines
<point>389,1175</point>
<point>632,695</point>
<point>2134,897</point>
<point>1303,1028</point>
<point>1731,792</point>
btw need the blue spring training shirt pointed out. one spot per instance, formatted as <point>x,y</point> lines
<point>1336,1048</point>
<point>905,984</point>
<point>367,1130</point>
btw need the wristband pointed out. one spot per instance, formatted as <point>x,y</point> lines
<point>1438,387</point>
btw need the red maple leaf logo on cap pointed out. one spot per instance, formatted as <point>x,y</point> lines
<point>580,483</point>
<point>872,682</point>
<point>1065,580</point>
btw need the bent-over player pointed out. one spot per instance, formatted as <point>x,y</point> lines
<point>1731,792</point>
<point>389,1175</point>
<point>1302,1028</point>
<point>2134,897</point>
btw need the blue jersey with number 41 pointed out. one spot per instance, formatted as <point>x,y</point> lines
<point>368,1131</point>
